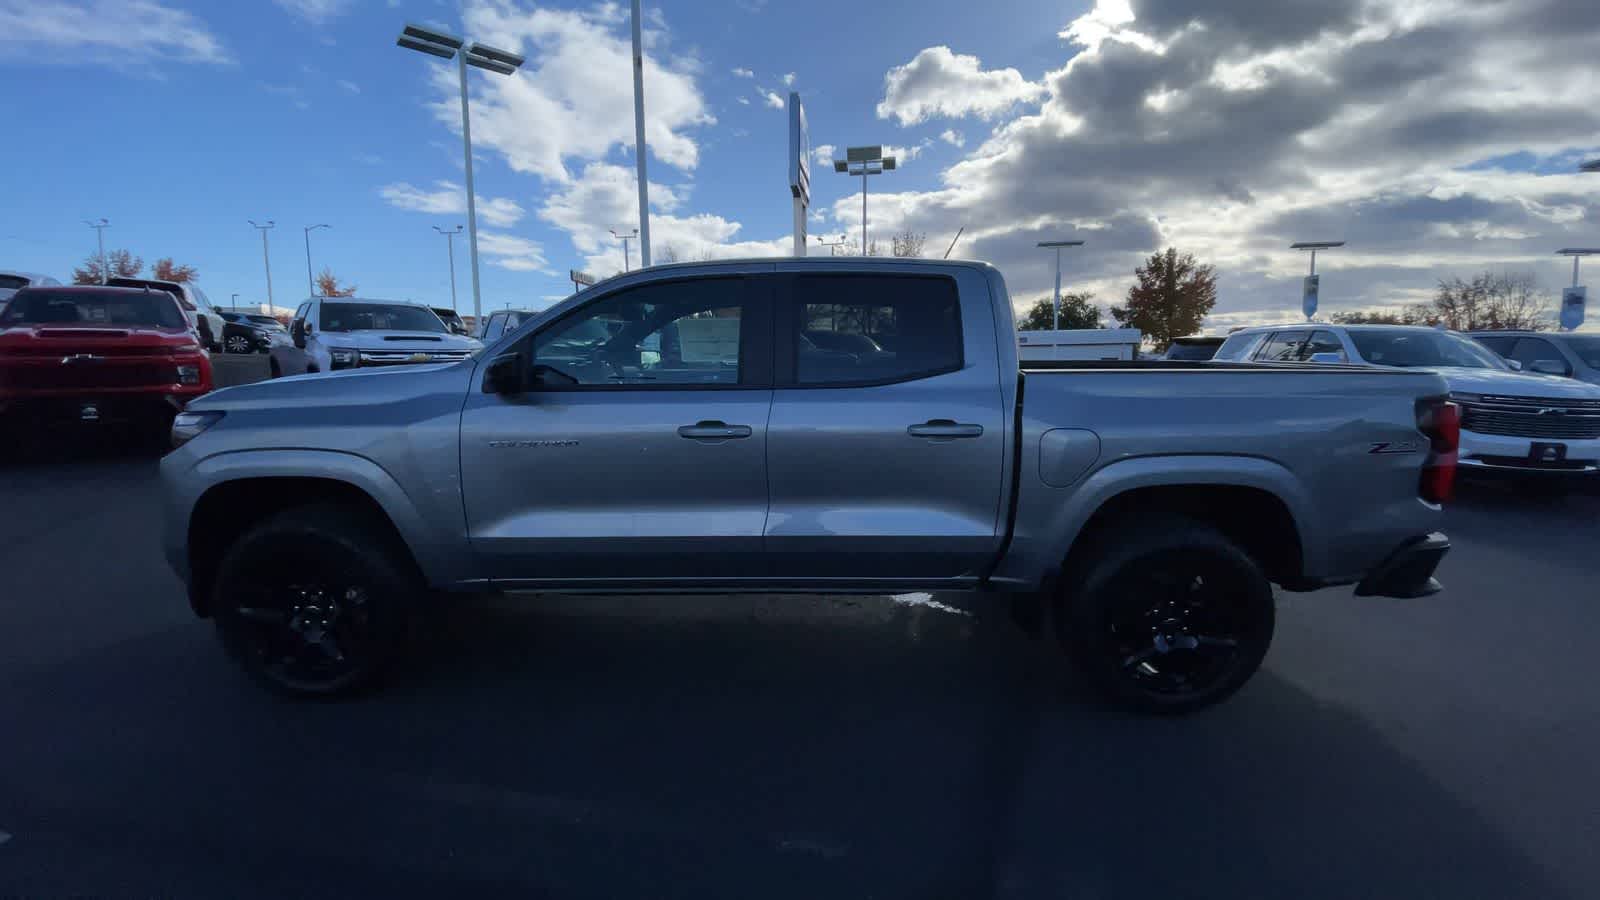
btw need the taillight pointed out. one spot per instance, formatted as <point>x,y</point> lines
<point>1440,420</point>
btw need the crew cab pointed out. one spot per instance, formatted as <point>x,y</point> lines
<point>821,425</point>
<point>96,356</point>
<point>1512,422</point>
<point>332,333</point>
<point>197,307</point>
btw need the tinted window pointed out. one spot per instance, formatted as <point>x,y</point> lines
<point>1586,349</point>
<point>680,333</point>
<point>1237,346</point>
<point>1531,350</point>
<point>155,308</point>
<point>1501,345</point>
<point>1283,346</point>
<point>1420,347</point>
<point>13,282</point>
<point>300,313</point>
<point>863,329</point>
<point>495,327</point>
<point>1191,351</point>
<point>1322,342</point>
<point>378,317</point>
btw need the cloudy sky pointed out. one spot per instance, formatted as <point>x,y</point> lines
<point>1437,137</point>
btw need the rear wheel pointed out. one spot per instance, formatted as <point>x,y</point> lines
<point>238,343</point>
<point>1168,616</point>
<point>315,601</point>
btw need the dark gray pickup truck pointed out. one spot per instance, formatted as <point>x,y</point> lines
<point>808,425</point>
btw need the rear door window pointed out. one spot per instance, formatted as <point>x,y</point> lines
<point>1531,350</point>
<point>866,329</point>
<point>1322,342</point>
<point>1500,344</point>
<point>1283,346</point>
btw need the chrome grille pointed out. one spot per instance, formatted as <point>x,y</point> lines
<point>1533,418</point>
<point>405,357</point>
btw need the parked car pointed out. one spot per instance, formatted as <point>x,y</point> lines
<point>502,321</point>
<point>332,333</point>
<point>670,430</point>
<point>1510,421</point>
<point>243,333</point>
<point>11,282</point>
<point>94,356</point>
<point>196,305</point>
<point>1565,354</point>
<point>451,319</point>
<point>1197,348</point>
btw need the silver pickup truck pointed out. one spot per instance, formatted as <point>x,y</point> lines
<point>807,425</point>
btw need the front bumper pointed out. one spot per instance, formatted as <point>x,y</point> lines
<point>1408,572</point>
<point>1500,453</point>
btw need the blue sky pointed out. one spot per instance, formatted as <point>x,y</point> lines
<point>1437,145</point>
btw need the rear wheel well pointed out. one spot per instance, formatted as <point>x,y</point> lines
<point>1254,519</point>
<point>228,510</point>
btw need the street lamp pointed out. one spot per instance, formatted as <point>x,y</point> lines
<point>1308,293</point>
<point>447,46</point>
<point>638,140</point>
<point>311,285</point>
<point>266,261</point>
<point>450,243</point>
<point>624,238</point>
<point>864,161</point>
<point>100,233</point>
<point>833,245</point>
<point>1055,312</point>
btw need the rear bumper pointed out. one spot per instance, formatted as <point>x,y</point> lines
<point>1408,572</point>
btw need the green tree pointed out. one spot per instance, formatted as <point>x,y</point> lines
<point>1172,296</point>
<point>1077,311</point>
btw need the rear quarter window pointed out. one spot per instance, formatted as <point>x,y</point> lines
<point>1237,346</point>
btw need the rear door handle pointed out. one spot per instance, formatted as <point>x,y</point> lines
<point>712,430</point>
<point>945,429</point>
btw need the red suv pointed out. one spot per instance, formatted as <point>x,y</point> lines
<point>97,355</point>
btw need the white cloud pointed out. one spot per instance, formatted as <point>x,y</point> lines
<point>788,79</point>
<point>953,138</point>
<point>938,82</point>
<point>571,89</point>
<point>518,254</point>
<point>105,32</point>
<point>740,72</point>
<point>317,12</point>
<point>451,199</point>
<point>350,86</point>
<point>773,100</point>
<point>743,101</point>
<point>824,154</point>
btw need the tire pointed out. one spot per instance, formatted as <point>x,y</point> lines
<point>315,601</point>
<point>237,343</point>
<point>1165,615</point>
<point>272,369</point>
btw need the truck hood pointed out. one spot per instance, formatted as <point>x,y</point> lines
<point>84,338</point>
<point>1517,384</point>
<point>398,340</point>
<point>346,387</point>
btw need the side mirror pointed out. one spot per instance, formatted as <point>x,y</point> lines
<point>1515,364</point>
<point>1549,367</point>
<point>1327,357</point>
<point>503,375</point>
<point>298,333</point>
<point>549,376</point>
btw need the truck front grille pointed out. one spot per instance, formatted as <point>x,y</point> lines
<point>410,357</point>
<point>87,376</point>
<point>1532,417</point>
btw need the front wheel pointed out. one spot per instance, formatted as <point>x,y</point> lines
<point>1167,616</point>
<point>315,601</point>
<point>238,343</point>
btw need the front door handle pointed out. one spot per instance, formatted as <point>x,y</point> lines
<point>712,430</point>
<point>945,429</point>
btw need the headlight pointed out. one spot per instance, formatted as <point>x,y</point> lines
<point>187,426</point>
<point>343,359</point>
<point>188,374</point>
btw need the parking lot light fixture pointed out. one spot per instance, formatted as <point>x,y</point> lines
<point>266,260</point>
<point>1314,246</point>
<point>100,233</point>
<point>1055,310</point>
<point>1577,253</point>
<point>864,161</point>
<point>624,238</point>
<point>450,244</point>
<point>310,284</point>
<point>444,45</point>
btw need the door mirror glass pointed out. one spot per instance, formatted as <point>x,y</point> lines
<point>298,333</point>
<point>1515,364</point>
<point>503,375</point>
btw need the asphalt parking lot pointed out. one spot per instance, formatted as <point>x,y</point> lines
<point>791,747</point>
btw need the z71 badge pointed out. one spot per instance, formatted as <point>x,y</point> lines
<point>1381,447</point>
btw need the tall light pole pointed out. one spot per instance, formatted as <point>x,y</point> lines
<point>265,259</point>
<point>1573,299</point>
<point>100,233</point>
<point>1310,291</point>
<point>1055,309</point>
<point>435,42</point>
<point>833,245</point>
<point>625,238</point>
<point>864,161</point>
<point>311,285</point>
<point>638,140</point>
<point>450,243</point>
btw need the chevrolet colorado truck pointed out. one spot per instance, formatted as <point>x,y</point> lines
<point>820,425</point>
<point>91,356</point>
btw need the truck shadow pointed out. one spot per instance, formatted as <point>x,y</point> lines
<point>795,748</point>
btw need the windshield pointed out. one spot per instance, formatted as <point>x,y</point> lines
<point>1192,351</point>
<point>379,317</point>
<point>1586,349</point>
<point>153,308</point>
<point>13,281</point>
<point>1419,347</point>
